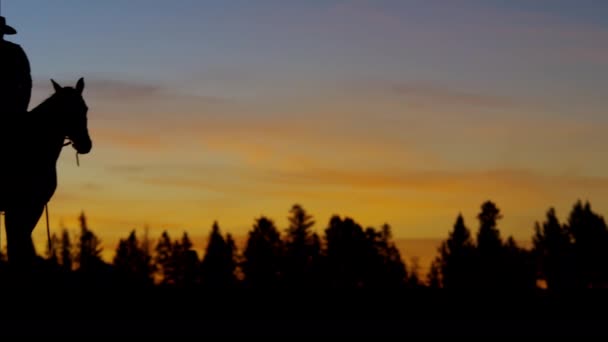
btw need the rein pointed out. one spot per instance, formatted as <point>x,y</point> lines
<point>67,143</point>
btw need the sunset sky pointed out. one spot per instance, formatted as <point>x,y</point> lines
<point>406,112</point>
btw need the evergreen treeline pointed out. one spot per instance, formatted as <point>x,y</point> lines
<point>572,254</point>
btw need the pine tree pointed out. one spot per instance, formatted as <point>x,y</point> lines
<point>164,262</point>
<point>300,249</point>
<point>65,251</point>
<point>132,263</point>
<point>489,252</point>
<point>263,255</point>
<point>456,257</point>
<point>553,251</point>
<point>590,236</point>
<point>186,260</point>
<point>218,265</point>
<point>89,248</point>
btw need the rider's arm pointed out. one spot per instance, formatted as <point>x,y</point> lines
<point>25,80</point>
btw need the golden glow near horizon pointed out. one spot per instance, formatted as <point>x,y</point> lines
<point>234,171</point>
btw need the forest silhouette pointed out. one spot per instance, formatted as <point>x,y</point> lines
<point>341,280</point>
<point>343,255</point>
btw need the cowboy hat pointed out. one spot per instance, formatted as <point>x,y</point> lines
<point>5,29</point>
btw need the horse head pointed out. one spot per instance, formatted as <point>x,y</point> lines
<point>74,110</point>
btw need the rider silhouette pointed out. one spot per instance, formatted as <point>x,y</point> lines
<point>15,76</point>
<point>15,93</point>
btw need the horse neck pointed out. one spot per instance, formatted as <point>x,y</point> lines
<point>43,123</point>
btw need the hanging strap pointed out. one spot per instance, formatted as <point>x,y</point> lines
<point>48,228</point>
<point>1,214</point>
<point>46,206</point>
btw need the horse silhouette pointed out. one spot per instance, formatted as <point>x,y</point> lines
<point>28,173</point>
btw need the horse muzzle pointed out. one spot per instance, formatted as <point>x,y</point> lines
<point>82,146</point>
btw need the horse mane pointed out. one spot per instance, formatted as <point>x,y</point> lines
<point>44,105</point>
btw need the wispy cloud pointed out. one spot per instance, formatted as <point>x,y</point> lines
<point>126,168</point>
<point>429,95</point>
<point>108,88</point>
<point>92,186</point>
<point>269,180</point>
<point>128,140</point>
<point>439,94</point>
<point>125,91</point>
<point>438,181</point>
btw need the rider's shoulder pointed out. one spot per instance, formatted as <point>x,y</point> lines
<point>10,45</point>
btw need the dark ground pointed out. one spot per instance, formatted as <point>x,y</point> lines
<point>426,313</point>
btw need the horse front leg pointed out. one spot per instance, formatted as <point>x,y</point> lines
<point>20,223</point>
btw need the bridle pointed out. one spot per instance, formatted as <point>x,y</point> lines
<point>67,142</point>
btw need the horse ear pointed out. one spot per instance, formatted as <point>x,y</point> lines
<point>80,85</point>
<point>55,85</point>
